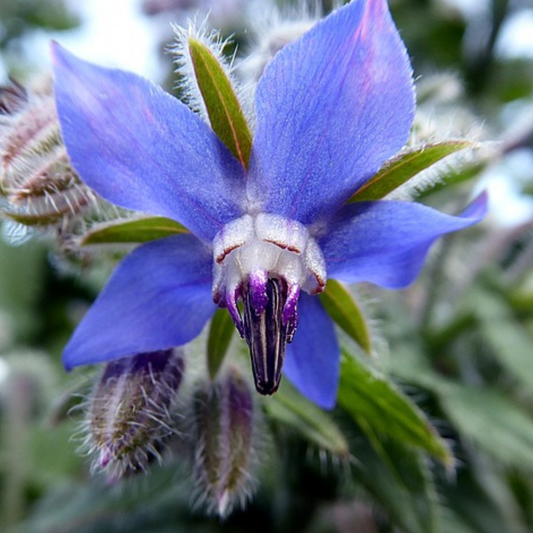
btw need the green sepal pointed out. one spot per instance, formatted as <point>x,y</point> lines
<point>221,332</point>
<point>344,310</point>
<point>290,408</point>
<point>405,166</point>
<point>132,231</point>
<point>379,408</point>
<point>223,108</point>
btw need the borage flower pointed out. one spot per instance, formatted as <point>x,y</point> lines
<point>331,108</point>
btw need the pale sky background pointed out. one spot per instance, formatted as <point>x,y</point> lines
<point>113,33</point>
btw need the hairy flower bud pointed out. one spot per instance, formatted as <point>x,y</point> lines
<point>129,412</point>
<point>36,177</point>
<point>13,97</point>
<point>224,439</point>
<point>274,29</point>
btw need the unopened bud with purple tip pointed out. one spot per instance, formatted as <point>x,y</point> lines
<point>224,437</point>
<point>129,413</point>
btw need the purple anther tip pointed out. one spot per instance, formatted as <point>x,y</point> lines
<point>257,286</point>
<point>290,310</point>
<point>231,303</point>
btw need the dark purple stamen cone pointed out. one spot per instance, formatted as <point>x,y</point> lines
<point>267,335</point>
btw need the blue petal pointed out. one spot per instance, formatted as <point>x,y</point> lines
<point>142,149</point>
<point>331,108</point>
<point>158,297</point>
<point>312,363</point>
<point>386,242</point>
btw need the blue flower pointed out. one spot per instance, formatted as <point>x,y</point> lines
<point>331,108</point>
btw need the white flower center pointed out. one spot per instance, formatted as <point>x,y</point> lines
<point>264,261</point>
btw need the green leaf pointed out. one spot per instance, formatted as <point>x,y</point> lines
<point>510,341</point>
<point>380,408</point>
<point>398,477</point>
<point>53,457</point>
<point>152,502</point>
<point>401,169</point>
<point>486,417</point>
<point>220,333</point>
<point>291,409</point>
<point>480,500</point>
<point>132,231</point>
<point>343,309</point>
<point>493,422</point>
<point>223,107</point>
<point>21,288</point>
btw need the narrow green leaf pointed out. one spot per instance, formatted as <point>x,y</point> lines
<point>223,107</point>
<point>291,409</point>
<point>510,341</point>
<point>132,231</point>
<point>343,309</point>
<point>493,422</point>
<point>398,477</point>
<point>375,403</point>
<point>220,333</point>
<point>486,417</point>
<point>481,498</point>
<point>401,169</point>
<point>452,523</point>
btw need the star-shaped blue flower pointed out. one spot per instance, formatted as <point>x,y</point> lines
<point>331,108</point>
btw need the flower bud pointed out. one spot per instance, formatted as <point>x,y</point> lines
<point>129,412</point>
<point>224,437</point>
<point>274,29</point>
<point>13,97</point>
<point>36,176</point>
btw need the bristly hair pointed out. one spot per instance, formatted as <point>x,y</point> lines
<point>272,28</point>
<point>129,418</point>
<point>39,186</point>
<point>225,444</point>
<point>187,83</point>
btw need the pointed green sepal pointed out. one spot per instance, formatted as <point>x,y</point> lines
<point>223,107</point>
<point>220,334</point>
<point>344,310</point>
<point>407,165</point>
<point>132,231</point>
